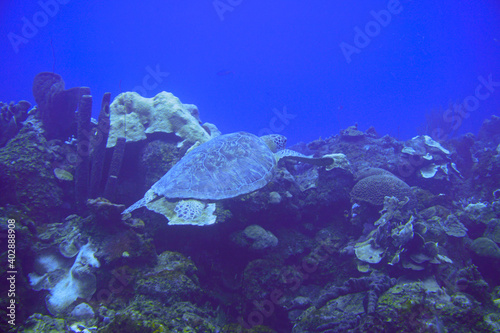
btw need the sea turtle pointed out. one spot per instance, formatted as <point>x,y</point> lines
<point>224,167</point>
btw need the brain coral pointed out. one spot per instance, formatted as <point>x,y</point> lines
<point>372,172</point>
<point>374,188</point>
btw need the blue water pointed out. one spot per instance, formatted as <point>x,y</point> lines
<point>263,66</point>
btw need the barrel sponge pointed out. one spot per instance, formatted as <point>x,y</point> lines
<point>133,116</point>
<point>45,86</point>
<point>374,188</point>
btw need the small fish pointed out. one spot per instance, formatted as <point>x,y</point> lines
<point>224,72</point>
<point>62,174</point>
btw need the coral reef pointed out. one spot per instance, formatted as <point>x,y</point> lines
<point>27,178</point>
<point>352,133</point>
<point>372,235</point>
<point>376,284</point>
<point>157,157</point>
<point>485,247</point>
<point>133,116</point>
<point>11,118</point>
<point>255,237</point>
<point>172,280</point>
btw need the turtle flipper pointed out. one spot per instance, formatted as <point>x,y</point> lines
<point>148,197</point>
<point>293,155</point>
<point>138,204</point>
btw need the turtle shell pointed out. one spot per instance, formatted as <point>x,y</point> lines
<point>223,167</point>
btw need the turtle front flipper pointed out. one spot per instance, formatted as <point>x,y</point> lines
<point>293,155</point>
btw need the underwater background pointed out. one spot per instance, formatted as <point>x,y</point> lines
<point>240,62</point>
<point>250,166</point>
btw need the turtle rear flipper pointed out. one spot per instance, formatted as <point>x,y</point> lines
<point>137,205</point>
<point>150,196</point>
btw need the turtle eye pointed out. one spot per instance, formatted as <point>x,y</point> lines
<point>280,141</point>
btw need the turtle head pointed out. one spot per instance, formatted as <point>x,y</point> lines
<point>275,142</point>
